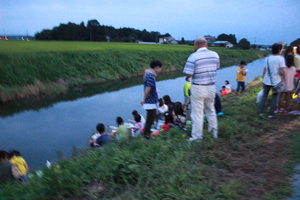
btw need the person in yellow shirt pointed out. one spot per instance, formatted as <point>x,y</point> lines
<point>17,160</point>
<point>187,93</point>
<point>241,73</point>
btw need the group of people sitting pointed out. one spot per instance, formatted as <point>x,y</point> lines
<point>226,89</point>
<point>169,114</point>
<point>13,167</point>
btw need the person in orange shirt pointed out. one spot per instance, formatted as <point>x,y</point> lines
<point>224,91</point>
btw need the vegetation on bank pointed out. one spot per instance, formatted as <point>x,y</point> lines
<point>252,159</point>
<point>31,69</point>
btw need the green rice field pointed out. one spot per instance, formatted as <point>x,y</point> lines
<point>31,68</point>
<point>61,46</point>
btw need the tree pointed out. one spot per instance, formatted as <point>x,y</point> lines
<point>230,38</point>
<point>295,42</point>
<point>96,32</point>
<point>94,28</point>
<point>254,46</point>
<point>244,44</point>
<point>182,40</point>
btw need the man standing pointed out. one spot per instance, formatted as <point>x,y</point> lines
<point>202,66</point>
<point>150,100</point>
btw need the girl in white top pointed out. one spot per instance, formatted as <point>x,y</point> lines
<point>228,86</point>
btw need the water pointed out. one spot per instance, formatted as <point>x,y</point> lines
<point>40,129</point>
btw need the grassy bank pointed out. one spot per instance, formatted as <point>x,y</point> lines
<point>252,159</point>
<point>32,69</point>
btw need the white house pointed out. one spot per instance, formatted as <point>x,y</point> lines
<point>222,44</point>
<point>167,40</point>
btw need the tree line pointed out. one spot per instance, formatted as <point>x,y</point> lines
<point>96,32</point>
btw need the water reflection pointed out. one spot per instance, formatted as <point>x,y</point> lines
<point>39,129</point>
<point>78,92</point>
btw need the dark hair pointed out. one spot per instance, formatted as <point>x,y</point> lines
<point>178,108</point>
<point>276,48</point>
<point>243,62</point>
<point>186,78</point>
<point>3,154</point>
<point>168,102</point>
<point>298,49</point>
<point>167,99</point>
<point>160,102</point>
<point>134,112</point>
<point>13,153</point>
<point>168,117</point>
<point>155,63</point>
<point>227,82</point>
<point>223,87</point>
<point>137,118</point>
<point>100,128</point>
<point>289,61</point>
<point>120,120</point>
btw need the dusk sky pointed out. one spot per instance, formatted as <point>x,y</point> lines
<point>260,22</point>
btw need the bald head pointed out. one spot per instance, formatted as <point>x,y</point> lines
<point>200,42</point>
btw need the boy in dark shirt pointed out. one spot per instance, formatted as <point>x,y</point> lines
<point>100,138</point>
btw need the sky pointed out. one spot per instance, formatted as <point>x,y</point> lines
<point>260,22</point>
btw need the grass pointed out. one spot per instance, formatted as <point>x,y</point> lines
<point>252,159</point>
<point>24,64</point>
<point>67,46</point>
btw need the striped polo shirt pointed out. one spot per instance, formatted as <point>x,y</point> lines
<point>202,65</point>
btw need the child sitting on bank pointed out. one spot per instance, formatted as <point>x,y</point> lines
<point>178,115</point>
<point>165,127</point>
<point>101,137</point>
<point>138,126</point>
<point>122,131</point>
<point>17,160</point>
<point>135,113</point>
<point>224,91</point>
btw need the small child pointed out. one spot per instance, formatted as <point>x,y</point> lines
<point>178,115</point>
<point>135,113</point>
<point>165,127</point>
<point>228,86</point>
<point>241,73</point>
<point>289,76</point>
<point>101,137</point>
<point>122,130</point>
<point>296,110</point>
<point>187,93</point>
<point>168,122</point>
<point>138,126</point>
<point>17,160</point>
<point>224,91</point>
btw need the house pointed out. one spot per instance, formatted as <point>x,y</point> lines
<point>210,38</point>
<point>167,40</point>
<point>221,44</point>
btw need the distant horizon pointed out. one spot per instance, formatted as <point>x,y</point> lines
<point>99,41</point>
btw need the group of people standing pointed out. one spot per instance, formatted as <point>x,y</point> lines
<point>281,70</point>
